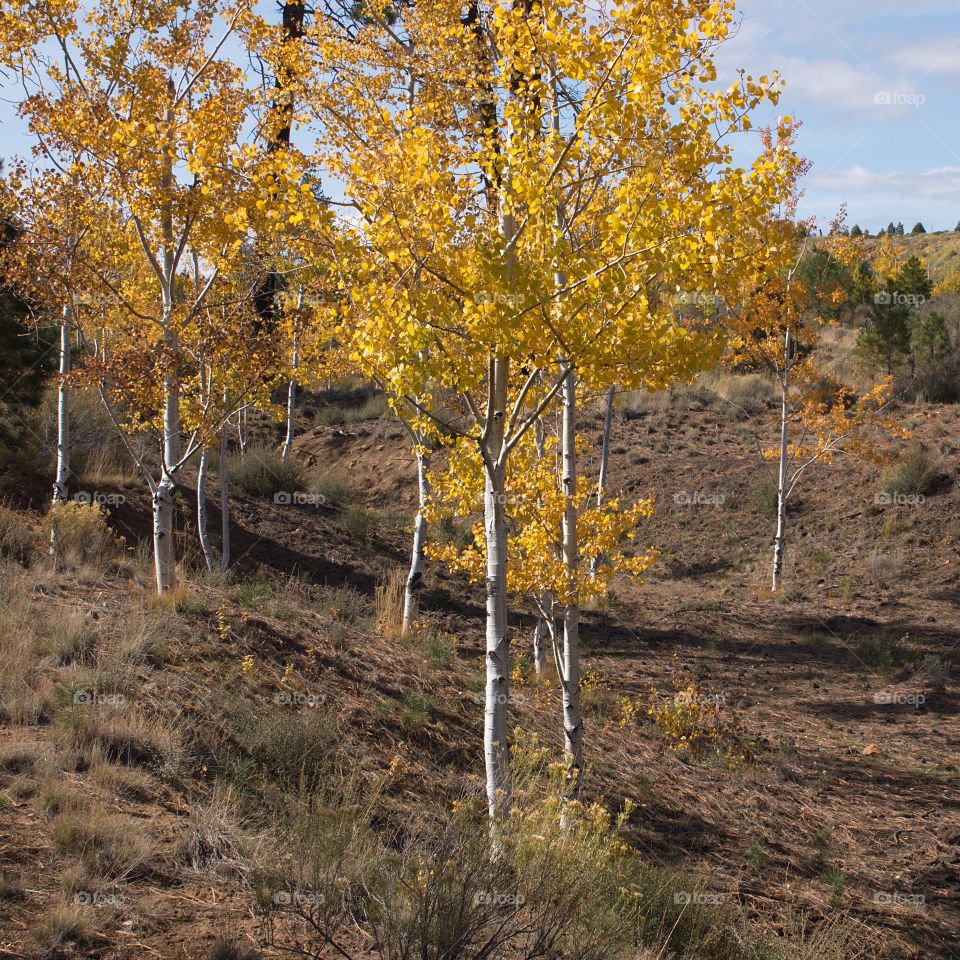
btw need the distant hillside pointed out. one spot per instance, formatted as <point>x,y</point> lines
<point>940,250</point>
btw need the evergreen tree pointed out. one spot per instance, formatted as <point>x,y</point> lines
<point>918,228</point>
<point>913,280</point>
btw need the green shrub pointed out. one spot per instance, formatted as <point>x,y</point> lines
<point>296,749</point>
<point>262,472</point>
<point>916,473</point>
<point>335,487</point>
<point>359,521</point>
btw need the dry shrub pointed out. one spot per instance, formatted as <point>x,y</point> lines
<point>69,636</point>
<point>886,567</point>
<point>82,533</point>
<point>294,749</point>
<point>916,473</point>
<point>262,472</point>
<point>565,885</point>
<point>57,795</point>
<point>388,598</point>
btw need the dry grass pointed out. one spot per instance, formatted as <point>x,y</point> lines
<point>835,358</point>
<point>109,846</point>
<point>57,795</point>
<point>18,540</point>
<point>127,735</point>
<point>25,695</point>
<point>217,839</point>
<point>20,756</point>
<point>61,926</point>
<point>388,598</point>
<point>747,393</point>
<point>126,783</point>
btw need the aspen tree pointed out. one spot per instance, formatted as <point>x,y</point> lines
<point>456,195</point>
<point>143,104</point>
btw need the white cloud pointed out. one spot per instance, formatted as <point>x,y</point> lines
<point>938,183</point>
<point>937,57</point>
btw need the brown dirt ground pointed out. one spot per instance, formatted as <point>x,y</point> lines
<point>838,784</point>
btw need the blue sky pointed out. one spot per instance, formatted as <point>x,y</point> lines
<point>876,83</point>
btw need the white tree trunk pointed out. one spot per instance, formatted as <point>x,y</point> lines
<point>496,747</point>
<point>779,540</point>
<point>224,501</point>
<point>604,461</point>
<point>411,600</point>
<point>208,553</point>
<point>541,630</point>
<point>605,446</point>
<point>292,388</point>
<point>163,494</point>
<point>61,483</point>
<point>570,682</point>
<point>242,431</point>
<point>541,636</point>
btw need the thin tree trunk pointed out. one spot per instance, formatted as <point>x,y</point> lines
<point>291,404</point>
<point>292,387</point>
<point>605,446</point>
<point>779,541</point>
<point>224,501</point>
<point>61,483</point>
<point>570,682</point>
<point>604,461</point>
<point>163,495</point>
<point>541,630</point>
<point>411,600</point>
<point>241,431</point>
<point>208,552</point>
<point>496,748</point>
